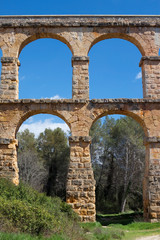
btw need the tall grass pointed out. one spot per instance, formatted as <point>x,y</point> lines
<point>21,236</point>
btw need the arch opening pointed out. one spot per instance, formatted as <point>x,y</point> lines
<point>42,113</point>
<point>118,160</point>
<point>42,36</point>
<point>46,70</point>
<point>114,70</point>
<point>121,36</point>
<point>43,154</point>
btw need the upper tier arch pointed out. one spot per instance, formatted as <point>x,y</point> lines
<point>43,35</point>
<point>137,41</point>
<point>80,32</point>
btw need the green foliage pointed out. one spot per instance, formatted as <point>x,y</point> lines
<point>27,217</point>
<point>120,218</point>
<point>22,236</point>
<point>128,225</point>
<point>11,236</point>
<point>107,206</point>
<point>89,231</point>
<point>102,234</point>
<point>53,147</point>
<point>26,140</point>
<point>97,232</point>
<point>117,154</point>
<point>26,210</point>
<point>43,162</point>
<point>52,143</point>
<point>142,226</point>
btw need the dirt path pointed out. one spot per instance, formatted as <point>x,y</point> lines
<point>156,237</point>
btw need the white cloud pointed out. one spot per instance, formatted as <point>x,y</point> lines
<point>56,97</point>
<point>52,98</point>
<point>39,126</point>
<point>139,75</point>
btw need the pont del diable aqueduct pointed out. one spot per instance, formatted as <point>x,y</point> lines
<point>80,33</point>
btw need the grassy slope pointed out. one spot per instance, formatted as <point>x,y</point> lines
<point>24,210</point>
<point>95,231</point>
<point>21,236</point>
<point>130,223</point>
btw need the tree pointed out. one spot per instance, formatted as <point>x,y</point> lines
<point>26,141</point>
<point>31,169</point>
<point>117,160</point>
<point>53,148</point>
<point>129,152</point>
<point>95,147</point>
<point>43,162</point>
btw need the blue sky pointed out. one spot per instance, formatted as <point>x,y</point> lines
<point>46,70</point>
<point>18,7</point>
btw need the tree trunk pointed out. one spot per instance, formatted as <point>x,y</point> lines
<point>124,196</point>
<point>52,175</point>
<point>123,205</point>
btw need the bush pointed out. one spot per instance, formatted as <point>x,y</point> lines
<point>24,209</point>
<point>32,219</point>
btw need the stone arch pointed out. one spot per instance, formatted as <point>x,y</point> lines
<point>138,42</point>
<point>136,117</point>
<point>109,60</point>
<point>31,113</point>
<point>43,35</point>
<point>52,56</point>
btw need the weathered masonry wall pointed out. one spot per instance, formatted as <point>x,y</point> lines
<point>80,33</point>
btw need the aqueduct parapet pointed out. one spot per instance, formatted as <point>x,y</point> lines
<point>80,33</point>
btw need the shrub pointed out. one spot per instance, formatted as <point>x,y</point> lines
<point>32,219</point>
<point>24,209</point>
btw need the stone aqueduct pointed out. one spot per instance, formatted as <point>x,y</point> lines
<point>80,33</point>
